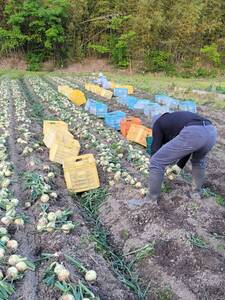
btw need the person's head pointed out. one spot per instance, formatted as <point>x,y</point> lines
<point>100,75</point>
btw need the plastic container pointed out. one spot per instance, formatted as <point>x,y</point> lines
<point>60,151</point>
<point>119,92</point>
<point>57,135</point>
<point>106,94</point>
<point>138,134</point>
<point>77,97</point>
<point>131,101</point>
<point>90,103</point>
<point>129,88</point>
<point>113,119</point>
<point>49,124</point>
<point>188,106</point>
<point>126,123</point>
<point>173,104</point>
<point>162,99</point>
<point>141,104</point>
<point>81,173</point>
<point>98,109</point>
<point>151,108</point>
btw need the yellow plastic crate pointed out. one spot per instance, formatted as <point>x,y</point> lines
<point>129,87</point>
<point>81,173</point>
<point>106,94</point>
<point>47,125</point>
<point>98,90</point>
<point>138,134</point>
<point>77,97</point>
<point>59,152</point>
<point>57,135</point>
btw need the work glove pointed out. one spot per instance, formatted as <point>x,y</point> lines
<point>173,172</point>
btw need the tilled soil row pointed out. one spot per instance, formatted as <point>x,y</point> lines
<point>77,243</point>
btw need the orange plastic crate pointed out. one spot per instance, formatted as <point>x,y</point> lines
<point>126,123</point>
<point>60,151</point>
<point>57,135</point>
<point>47,125</point>
<point>138,134</point>
<point>81,173</point>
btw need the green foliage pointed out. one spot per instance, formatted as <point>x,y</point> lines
<point>161,34</point>
<point>157,61</point>
<point>211,54</point>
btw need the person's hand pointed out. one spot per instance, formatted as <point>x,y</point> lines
<point>173,172</point>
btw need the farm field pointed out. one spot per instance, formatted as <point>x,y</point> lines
<point>174,251</point>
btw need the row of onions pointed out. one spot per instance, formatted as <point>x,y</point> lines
<point>41,183</point>
<point>12,265</point>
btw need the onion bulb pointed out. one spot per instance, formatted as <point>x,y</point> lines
<point>21,266</point>
<point>7,173</point>
<point>6,220</point>
<point>51,216</point>
<point>63,275</point>
<point>14,202</point>
<point>44,198</point>
<point>19,222</point>
<point>68,297</point>
<point>12,273</point>
<point>2,253</point>
<point>67,227</point>
<point>14,259</point>
<point>12,245</point>
<point>5,183</point>
<point>91,275</point>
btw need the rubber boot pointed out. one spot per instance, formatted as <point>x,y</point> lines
<point>155,183</point>
<point>198,176</point>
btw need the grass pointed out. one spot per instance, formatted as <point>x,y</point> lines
<point>197,241</point>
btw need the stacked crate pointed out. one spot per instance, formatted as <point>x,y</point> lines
<point>80,171</point>
<point>74,95</point>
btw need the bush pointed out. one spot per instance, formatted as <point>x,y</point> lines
<point>211,53</point>
<point>157,61</point>
<point>34,61</point>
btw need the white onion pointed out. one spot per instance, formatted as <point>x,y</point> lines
<point>1,275</point>
<point>12,245</point>
<point>14,259</point>
<point>68,297</point>
<point>44,198</point>
<point>12,273</point>
<point>21,266</point>
<point>91,275</point>
<point>63,275</point>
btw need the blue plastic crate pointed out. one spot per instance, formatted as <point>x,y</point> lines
<point>122,100</point>
<point>173,104</point>
<point>119,92</point>
<point>141,104</point>
<point>113,119</point>
<point>99,109</point>
<point>164,99</point>
<point>188,106</point>
<point>90,103</point>
<point>150,108</point>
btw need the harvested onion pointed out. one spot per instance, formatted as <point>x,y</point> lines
<point>2,253</point>
<point>12,273</point>
<point>44,198</point>
<point>91,276</point>
<point>12,245</point>
<point>21,266</point>
<point>63,275</point>
<point>14,259</point>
